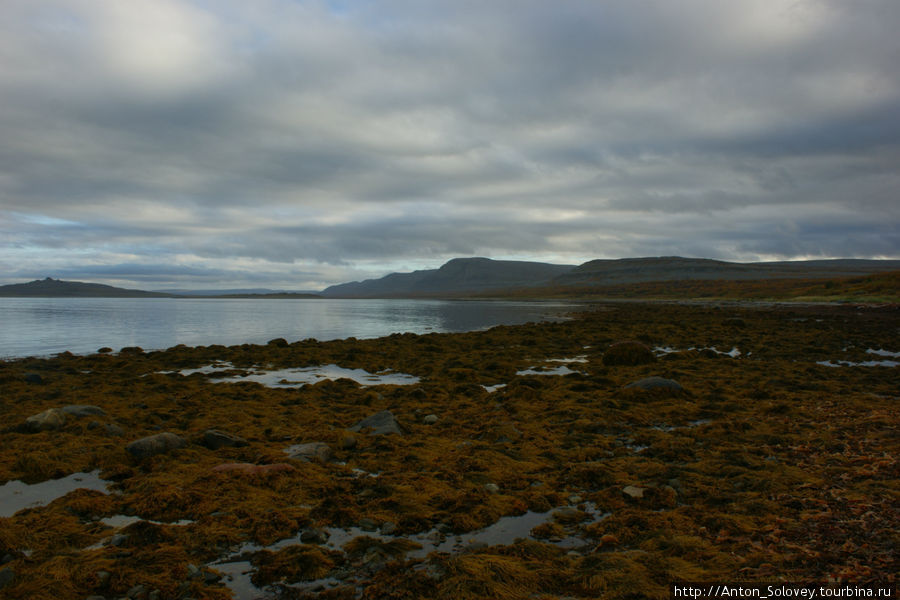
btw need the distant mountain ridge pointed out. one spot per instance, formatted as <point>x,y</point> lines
<point>456,277</point>
<point>677,268</point>
<point>55,288</point>
<point>462,276</point>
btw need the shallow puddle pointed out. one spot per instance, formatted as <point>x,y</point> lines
<point>733,353</point>
<point>297,377</point>
<point>237,569</point>
<point>578,359</point>
<point>865,363</point>
<point>15,495</point>
<point>560,370</point>
<point>490,389</point>
<point>120,521</point>
<point>880,352</point>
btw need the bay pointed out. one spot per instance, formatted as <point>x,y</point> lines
<point>46,326</point>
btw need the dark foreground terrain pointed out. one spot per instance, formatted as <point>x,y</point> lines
<point>764,448</point>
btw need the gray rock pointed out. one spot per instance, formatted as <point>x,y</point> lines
<point>492,488</point>
<point>152,445</point>
<point>193,571</point>
<point>103,578</point>
<point>368,524</point>
<point>6,577</point>
<point>633,491</point>
<point>430,419</point>
<point>118,539</point>
<point>49,420</point>
<point>137,591</point>
<point>210,577</point>
<point>83,410</point>
<point>114,430</point>
<point>388,528</point>
<point>380,423</point>
<point>310,450</point>
<point>314,535</point>
<point>568,514</point>
<point>95,597</point>
<point>215,439</point>
<point>656,383</point>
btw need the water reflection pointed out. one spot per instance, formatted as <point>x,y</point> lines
<point>44,326</point>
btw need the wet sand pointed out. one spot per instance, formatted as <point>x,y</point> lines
<point>520,464</point>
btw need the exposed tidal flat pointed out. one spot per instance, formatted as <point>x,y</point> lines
<point>604,456</point>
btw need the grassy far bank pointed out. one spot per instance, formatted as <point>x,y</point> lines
<point>878,288</point>
<point>759,464</point>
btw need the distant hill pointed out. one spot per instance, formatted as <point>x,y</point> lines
<point>459,276</point>
<point>54,288</point>
<point>480,276</point>
<point>676,268</point>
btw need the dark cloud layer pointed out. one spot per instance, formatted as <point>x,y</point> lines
<point>306,143</point>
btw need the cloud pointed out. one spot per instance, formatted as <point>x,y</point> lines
<point>330,140</point>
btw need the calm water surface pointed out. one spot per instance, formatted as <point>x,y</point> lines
<point>44,326</point>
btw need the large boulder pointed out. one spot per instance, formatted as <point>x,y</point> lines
<point>380,423</point>
<point>83,410</point>
<point>152,445</point>
<point>215,439</point>
<point>310,450</point>
<point>49,420</point>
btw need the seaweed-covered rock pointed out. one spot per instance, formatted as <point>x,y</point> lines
<point>628,353</point>
<point>33,378</point>
<point>215,439</point>
<point>318,450</point>
<point>152,445</point>
<point>380,423</point>
<point>49,420</point>
<point>83,410</point>
<point>655,383</point>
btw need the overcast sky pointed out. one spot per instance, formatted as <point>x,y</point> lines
<point>293,144</point>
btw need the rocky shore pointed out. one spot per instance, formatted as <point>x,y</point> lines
<point>610,455</point>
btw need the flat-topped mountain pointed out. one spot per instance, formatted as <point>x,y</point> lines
<point>462,276</point>
<point>54,288</point>
<point>457,277</point>
<point>676,268</point>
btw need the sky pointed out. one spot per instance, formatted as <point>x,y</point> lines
<point>289,144</point>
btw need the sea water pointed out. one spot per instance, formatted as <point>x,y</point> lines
<point>45,326</point>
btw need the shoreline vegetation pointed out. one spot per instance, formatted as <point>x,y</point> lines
<point>642,443</point>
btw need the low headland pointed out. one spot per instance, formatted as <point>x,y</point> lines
<point>610,455</point>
